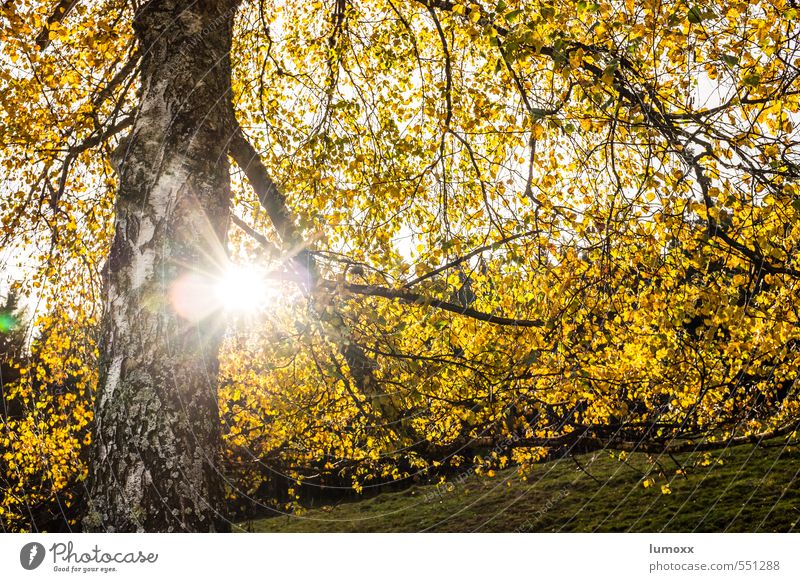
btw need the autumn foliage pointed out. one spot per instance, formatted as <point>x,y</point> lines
<point>549,227</point>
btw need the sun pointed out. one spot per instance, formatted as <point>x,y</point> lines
<point>235,289</point>
<point>241,289</point>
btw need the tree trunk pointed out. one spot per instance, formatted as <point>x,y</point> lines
<point>157,434</point>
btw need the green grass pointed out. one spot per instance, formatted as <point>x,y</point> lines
<point>746,488</point>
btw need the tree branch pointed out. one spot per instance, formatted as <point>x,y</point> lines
<point>63,8</point>
<point>412,298</point>
<point>274,202</point>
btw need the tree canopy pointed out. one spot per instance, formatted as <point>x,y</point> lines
<point>477,233</point>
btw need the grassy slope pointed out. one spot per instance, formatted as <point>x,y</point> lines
<point>754,489</point>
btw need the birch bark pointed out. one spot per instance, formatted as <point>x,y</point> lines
<point>157,435</point>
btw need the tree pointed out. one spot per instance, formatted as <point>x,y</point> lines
<point>157,432</point>
<point>600,200</point>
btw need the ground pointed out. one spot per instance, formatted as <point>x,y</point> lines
<point>744,489</point>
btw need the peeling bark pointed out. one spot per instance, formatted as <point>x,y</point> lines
<point>157,434</point>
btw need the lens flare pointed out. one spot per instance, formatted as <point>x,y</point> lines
<point>192,297</point>
<point>8,323</point>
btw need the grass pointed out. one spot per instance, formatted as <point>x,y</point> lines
<point>742,489</point>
